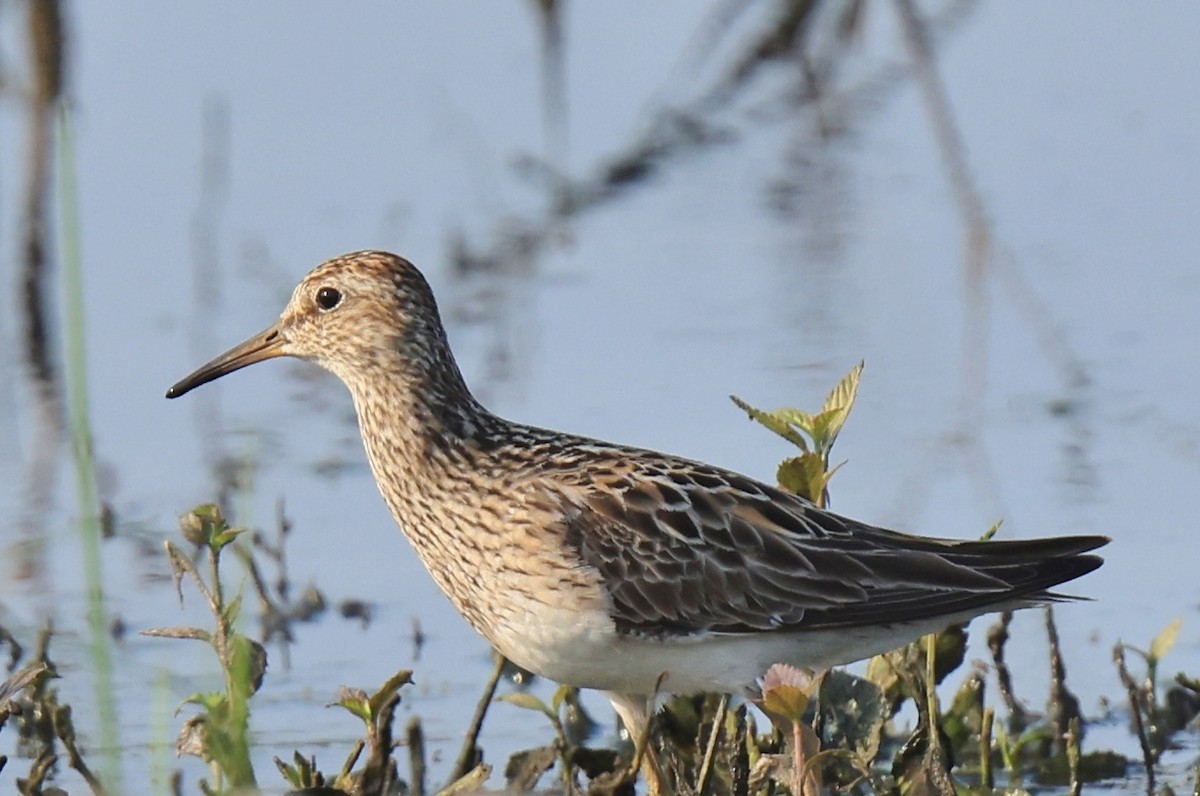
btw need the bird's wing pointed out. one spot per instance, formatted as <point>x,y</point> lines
<point>684,550</point>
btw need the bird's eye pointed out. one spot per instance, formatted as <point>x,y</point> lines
<point>328,298</point>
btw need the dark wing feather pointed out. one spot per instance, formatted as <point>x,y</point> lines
<point>683,550</point>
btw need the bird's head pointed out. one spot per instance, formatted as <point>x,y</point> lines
<point>361,316</point>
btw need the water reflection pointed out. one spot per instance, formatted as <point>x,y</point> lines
<point>208,284</point>
<point>46,72</point>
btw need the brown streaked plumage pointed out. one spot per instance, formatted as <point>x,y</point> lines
<point>605,566</point>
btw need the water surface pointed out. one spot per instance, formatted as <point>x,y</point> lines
<point>224,149</point>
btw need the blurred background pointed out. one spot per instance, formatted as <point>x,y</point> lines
<point>628,212</point>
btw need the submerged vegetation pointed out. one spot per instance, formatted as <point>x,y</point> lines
<point>885,731</point>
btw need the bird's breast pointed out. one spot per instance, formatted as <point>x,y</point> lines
<point>496,550</point>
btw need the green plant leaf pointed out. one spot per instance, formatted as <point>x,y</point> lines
<point>224,537</point>
<point>787,690</point>
<point>842,396</point>
<point>231,610</point>
<point>560,694</point>
<point>291,775</point>
<point>797,418</point>
<point>828,423</point>
<point>1190,683</point>
<point>529,702</point>
<point>385,692</point>
<point>247,664</point>
<point>773,421</point>
<point>356,701</point>
<point>1035,734</point>
<point>854,712</point>
<point>211,701</point>
<point>210,513</point>
<point>199,634</point>
<point>1165,640</point>
<point>302,774</point>
<point>786,701</point>
<point>825,428</point>
<point>962,720</point>
<point>803,475</point>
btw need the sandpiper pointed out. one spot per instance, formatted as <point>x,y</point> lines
<point>613,567</point>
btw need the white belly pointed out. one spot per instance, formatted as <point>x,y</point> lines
<point>584,650</point>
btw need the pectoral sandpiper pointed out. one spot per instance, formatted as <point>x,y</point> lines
<point>612,567</point>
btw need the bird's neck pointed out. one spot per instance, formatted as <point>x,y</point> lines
<point>422,441</point>
<point>420,425</point>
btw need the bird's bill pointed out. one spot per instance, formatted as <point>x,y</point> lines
<point>267,344</point>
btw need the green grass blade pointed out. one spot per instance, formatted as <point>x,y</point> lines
<point>84,458</point>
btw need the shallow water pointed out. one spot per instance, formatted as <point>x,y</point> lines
<point>224,149</point>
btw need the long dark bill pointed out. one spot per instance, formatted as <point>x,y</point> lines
<point>267,344</point>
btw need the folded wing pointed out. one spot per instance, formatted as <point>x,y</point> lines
<point>700,549</point>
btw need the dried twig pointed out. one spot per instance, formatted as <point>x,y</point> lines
<point>469,756</point>
<point>1135,707</point>
<point>997,637</point>
<point>416,757</point>
<point>1064,706</point>
<point>705,777</point>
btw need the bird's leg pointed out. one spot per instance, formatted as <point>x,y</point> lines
<point>636,712</point>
